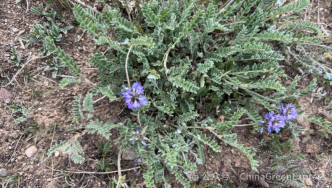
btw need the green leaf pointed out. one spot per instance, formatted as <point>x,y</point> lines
<point>151,19</point>
<point>77,111</point>
<point>66,81</point>
<point>143,41</point>
<point>187,117</point>
<point>98,128</point>
<point>88,102</point>
<point>183,84</point>
<point>107,91</point>
<point>249,152</point>
<point>267,84</point>
<point>193,44</point>
<point>305,25</point>
<point>295,7</point>
<point>205,67</point>
<point>207,141</point>
<point>72,147</point>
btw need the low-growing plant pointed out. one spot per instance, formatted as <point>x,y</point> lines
<point>103,162</point>
<point>55,67</point>
<point>15,58</point>
<point>51,28</point>
<point>11,181</point>
<point>19,110</point>
<point>282,171</point>
<point>189,72</point>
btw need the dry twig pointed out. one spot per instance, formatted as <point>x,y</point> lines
<point>85,172</point>
<point>18,72</point>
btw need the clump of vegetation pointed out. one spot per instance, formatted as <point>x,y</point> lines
<point>19,110</point>
<point>280,171</point>
<point>179,66</point>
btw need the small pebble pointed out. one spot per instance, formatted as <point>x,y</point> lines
<point>15,29</point>
<point>3,172</point>
<point>129,154</point>
<point>31,151</point>
<point>308,182</point>
<point>56,154</point>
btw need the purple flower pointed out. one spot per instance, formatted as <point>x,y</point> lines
<point>132,140</point>
<point>275,123</point>
<point>144,143</point>
<point>134,96</point>
<point>289,112</point>
<point>269,115</point>
<point>139,160</point>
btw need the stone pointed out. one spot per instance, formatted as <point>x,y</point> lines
<point>15,30</point>
<point>52,184</point>
<point>3,172</point>
<point>237,164</point>
<point>31,151</point>
<point>308,182</point>
<point>129,154</point>
<point>56,154</point>
<point>115,119</point>
<point>296,145</point>
<point>267,138</point>
<point>5,95</point>
<point>304,123</point>
<point>15,135</point>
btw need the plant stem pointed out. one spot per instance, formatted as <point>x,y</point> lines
<point>99,99</point>
<point>126,66</point>
<point>194,127</point>
<point>18,72</point>
<point>119,162</point>
<point>245,125</point>
<point>272,100</point>
<point>139,120</point>
<point>83,4</point>
<point>225,74</point>
<point>167,52</point>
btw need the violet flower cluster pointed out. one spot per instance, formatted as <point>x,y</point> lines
<point>138,161</point>
<point>134,96</point>
<point>276,121</point>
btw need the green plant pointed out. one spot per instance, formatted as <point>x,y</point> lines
<point>72,148</point>
<point>19,109</point>
<point>55,66</point>
<point>48,29</point>
<point>281,171</point>
<point>325,125</point>
<point>105,149</point>
<point>11,181</point>
<point>15,58</point>
<point>195,63</point>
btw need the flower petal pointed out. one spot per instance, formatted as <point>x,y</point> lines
<point>138,88</point>
<point>136,104</point>
<point>142,100</point>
